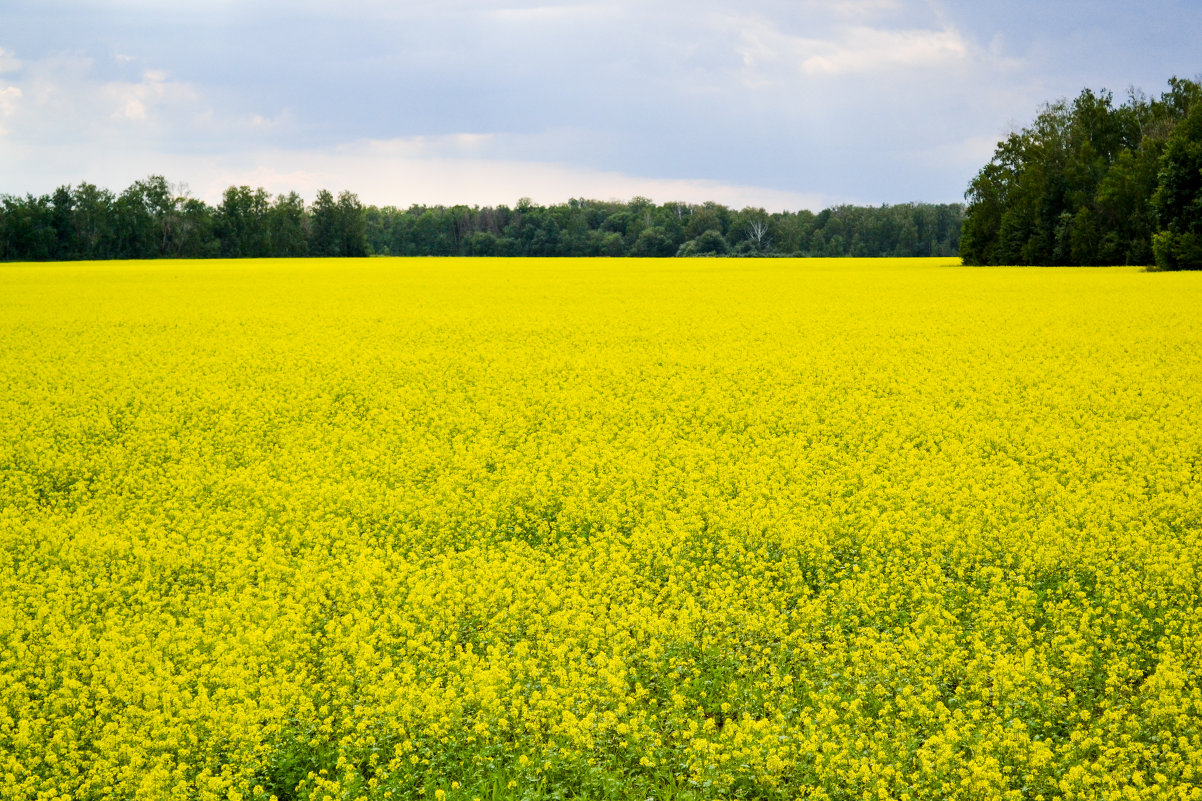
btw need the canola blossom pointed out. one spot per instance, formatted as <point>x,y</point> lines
<point>693,529</point>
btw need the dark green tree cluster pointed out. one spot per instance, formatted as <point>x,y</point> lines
<point>642,228</point>
<point>1091,183</point>
<point>149,220</point>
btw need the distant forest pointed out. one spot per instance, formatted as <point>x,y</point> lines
<point>1091,183</point>
<point>151,220</point>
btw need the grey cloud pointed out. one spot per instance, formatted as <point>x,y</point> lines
<point>868,100</point>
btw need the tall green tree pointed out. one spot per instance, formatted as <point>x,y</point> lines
<point>1076,186</point>
<point>242,223</point>
<point>142,216</point>
<point>286,223</point>
<point>1178,198</point>
<point>28,228</point>
<point>338,226</point>
<point>192,234</point>
<point>325,238</point>
<point>353,225</point>
<point>92,214</point>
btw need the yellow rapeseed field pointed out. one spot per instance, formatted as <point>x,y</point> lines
<point>691,529</point>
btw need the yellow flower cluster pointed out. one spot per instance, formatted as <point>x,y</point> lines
<point>456,529</point>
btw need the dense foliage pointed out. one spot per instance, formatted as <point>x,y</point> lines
<point>480,529</point>
<point>642,228</point>
<point>1090,183</point>
<point>149,220</point>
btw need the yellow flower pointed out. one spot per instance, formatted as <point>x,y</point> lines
<point>896,527</point>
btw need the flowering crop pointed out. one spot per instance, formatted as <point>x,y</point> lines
<point>464,529</point>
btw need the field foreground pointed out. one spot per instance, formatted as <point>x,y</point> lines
<point>603,528</point>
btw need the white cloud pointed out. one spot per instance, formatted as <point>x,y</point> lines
<point>9,97</point>
<point>8,61</point>
<point>266,123</point>
<point>868,50</point>
<point>578,97</point>
<point>403,172</point>
<point>550,13</point>
<point>456,145</point>
<point>969,153</point>
<point>64,99</point>
<point>860,9</point>
<point>155,99</point>
<point>767,52</point>
<point>399,173</point>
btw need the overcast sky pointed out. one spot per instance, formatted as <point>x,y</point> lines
<point>784,104</point>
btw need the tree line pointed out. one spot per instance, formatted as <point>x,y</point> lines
<point>642,228</point>
<point>1092,183</point>
<point>151,219</point>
